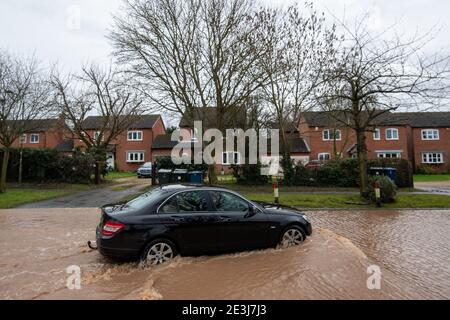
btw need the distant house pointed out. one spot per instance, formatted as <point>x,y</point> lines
<point>41,133</point>
<point>134,146</point>
<point>430,139</point>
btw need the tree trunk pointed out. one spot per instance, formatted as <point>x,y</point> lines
<point>362,161</point>
<point>4,170</point>
<point>21,165</point>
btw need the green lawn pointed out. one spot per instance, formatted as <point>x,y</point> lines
<point>431,177</point>
<point>118,175</point>
<point>341,201</point>
<point>16,197</point>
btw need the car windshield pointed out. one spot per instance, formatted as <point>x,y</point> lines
<point>147,165</point>
<point>144,199</point>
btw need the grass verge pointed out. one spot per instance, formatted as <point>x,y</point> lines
<point>16,197</point>
<point>344,201</point>
<point>118,175</point>
<point>431,177</point>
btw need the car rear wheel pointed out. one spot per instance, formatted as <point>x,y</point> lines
<point>157,252</point>
<point>292,236</point>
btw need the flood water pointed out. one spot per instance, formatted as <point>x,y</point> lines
<point>410,247</point>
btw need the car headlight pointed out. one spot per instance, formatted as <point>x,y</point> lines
<point>305,217</point>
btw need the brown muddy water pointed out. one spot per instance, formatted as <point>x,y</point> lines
<point>410,247</point>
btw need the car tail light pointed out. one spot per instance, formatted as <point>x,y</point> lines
<point>111,228</point>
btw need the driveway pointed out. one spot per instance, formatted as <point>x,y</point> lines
<point>95,198</point>
<point>440,187</point>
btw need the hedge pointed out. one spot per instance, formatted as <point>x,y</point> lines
<point>345,173</point>
<point>47,165</point>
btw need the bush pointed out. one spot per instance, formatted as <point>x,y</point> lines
<point>404,170</point>
<point>288,166</point>
<point>165,162</point>
<point>249,174</point>
<point>387,186</point>
<point>46,165</point>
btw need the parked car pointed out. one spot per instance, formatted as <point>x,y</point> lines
<point>190,219</point>
<point>145,171</point>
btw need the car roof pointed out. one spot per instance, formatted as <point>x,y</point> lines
<point>190,186</point>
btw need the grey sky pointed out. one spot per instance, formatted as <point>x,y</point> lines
<point>49,27</point>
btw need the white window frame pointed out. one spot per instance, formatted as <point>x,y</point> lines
<point>377,131</point>
<point>329,132</point>
<point>322,154</point>
<point>392,136</point>
<point>96,134</point>
<point>34,135</point>
<point>233,153</point>
<point>131,156</point>
<point>23,138</point>
<point>429,136</point>
<point>382,155</point>
<point>137,132</point>
<point>432,157</point>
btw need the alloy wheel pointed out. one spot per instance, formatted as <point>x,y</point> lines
<point>159,253</point>
<point>291,237</point>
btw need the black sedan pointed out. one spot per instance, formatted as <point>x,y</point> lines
<point>193,220</point>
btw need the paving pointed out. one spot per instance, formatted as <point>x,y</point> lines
<point>94,198</point>
<point>441,187</point>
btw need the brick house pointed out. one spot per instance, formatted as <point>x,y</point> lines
<point>41,133</point>
<point>132,148</point>
<point>237,120</point>
<point>431,139</point>
<point>329,138</point>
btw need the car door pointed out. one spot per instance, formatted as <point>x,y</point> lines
<point>240,227</point>
<point>188,216</point>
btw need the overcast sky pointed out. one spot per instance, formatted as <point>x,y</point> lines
<point>50,28</point>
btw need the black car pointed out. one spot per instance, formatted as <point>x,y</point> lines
<point>192,220</point>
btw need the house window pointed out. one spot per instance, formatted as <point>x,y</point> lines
<point>376,134</point>
<point>97,135</point>
<point>392,134</point>
<point>34,138</point>
<point>389,155</point>
<point>135,156</point>
<point>324,156</point>
<point>430,134</point>
<point>328,134</point>
<point>231,157</point>
<point>134,135</point>
<point>432,157</point>
<point>23,138</point>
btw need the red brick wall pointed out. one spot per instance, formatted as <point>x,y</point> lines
<point>314,138</point>
<point>123,146</point>
<point>441,145</point>
<point>48,139</point>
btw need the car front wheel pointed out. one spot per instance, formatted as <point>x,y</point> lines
<point>157,252</point>
<point>292,236</point>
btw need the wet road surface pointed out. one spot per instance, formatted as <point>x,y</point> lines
<point>411,248</point>
<point>92,198</point>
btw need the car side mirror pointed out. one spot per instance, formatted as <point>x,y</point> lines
<point>251,211</point>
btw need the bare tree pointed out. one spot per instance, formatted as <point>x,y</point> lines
<point>194,53</point>
<point>298,48</point>
<point>101,92</point>
<point>376,73</point>
<point>24,97</point>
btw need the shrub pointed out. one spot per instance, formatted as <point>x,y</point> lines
<point>249,174</point>
<point>165,162</point>
<point>387,186</point>
<point>404,170</point>
<point>288,166</point>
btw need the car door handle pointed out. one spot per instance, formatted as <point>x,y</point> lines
<point>177,219</point>
<point>224,219</point>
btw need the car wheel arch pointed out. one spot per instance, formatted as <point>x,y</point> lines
<point>162,237</point>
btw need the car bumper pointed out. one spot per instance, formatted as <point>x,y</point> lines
<point>144,174</point>
<point>308,229</point>
<point>112,248</point>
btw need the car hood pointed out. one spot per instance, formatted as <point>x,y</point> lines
<point>279,209</point>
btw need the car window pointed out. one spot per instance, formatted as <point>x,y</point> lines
<point>171,206</point>
<point>144,199</point>
<point>192,201</point>
<point>225,201</point>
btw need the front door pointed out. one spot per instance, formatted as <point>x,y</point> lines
<point>110,161</point>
